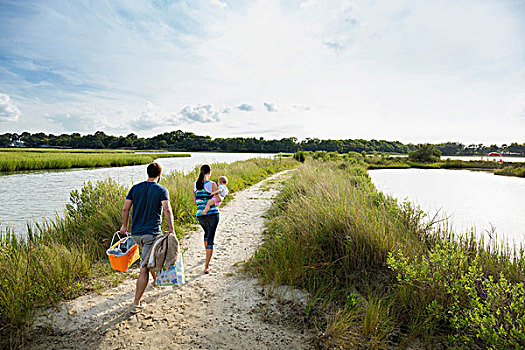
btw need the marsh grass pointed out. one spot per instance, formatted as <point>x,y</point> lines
<point>65,150</point>
<point>498,168</point>
<point>518,171</point>
<point>332,233</point>
<point>65,257</point>
<point>58,159</point>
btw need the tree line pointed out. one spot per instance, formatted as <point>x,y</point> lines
<point>188,141</point>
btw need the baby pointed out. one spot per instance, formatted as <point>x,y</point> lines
<point>218,195</point>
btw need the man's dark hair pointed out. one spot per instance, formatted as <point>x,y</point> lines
<point>154,170</point>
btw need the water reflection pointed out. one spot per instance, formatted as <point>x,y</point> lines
<point>470,198</point>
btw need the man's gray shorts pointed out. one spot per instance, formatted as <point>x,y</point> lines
<point>145,243</point>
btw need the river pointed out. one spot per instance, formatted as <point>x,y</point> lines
<point>485,158</point>
<point>32,196</point>
<point>469,198</point>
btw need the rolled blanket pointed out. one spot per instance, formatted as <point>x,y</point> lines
<point>164,252</point>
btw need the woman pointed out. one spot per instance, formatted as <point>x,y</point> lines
<point>202,190</point>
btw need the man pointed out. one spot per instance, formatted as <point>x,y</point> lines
<point>149,199</point>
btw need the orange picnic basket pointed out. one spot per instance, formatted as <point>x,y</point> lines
<point>123,253</point>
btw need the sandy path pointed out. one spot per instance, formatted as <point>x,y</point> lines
<point>223,310</point>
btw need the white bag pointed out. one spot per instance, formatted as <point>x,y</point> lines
<point>172,275</point>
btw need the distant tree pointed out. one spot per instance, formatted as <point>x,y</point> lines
<point>450,148</point>
<point>425,153</point>
<point>5,140</point>
<point>163,144</point>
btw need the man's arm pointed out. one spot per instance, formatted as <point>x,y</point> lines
<point>168,215</point>
<point>125,216</point>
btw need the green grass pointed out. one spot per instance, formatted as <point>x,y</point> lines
<point>498,168</point>
<point>67,150</point>
<point>511,171</point>
<point>332,233</point>
<point>60,258</point>
<point>59,159</point>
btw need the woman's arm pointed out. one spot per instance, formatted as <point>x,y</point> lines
<point>193,196</point>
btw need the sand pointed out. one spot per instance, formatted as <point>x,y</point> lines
<point>222,310</point>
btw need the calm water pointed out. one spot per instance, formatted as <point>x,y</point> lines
<point>469,198</point>
<point>34,195</point>
<point>497,159</point>
<point>504,159</point>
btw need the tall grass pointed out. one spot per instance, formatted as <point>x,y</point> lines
<point>66,150</point>
<point>518,171</point>
<point>333,233</point>
<point>57,258</point>
<point>37,160</point>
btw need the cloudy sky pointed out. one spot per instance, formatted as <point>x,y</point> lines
<point>413,71</point>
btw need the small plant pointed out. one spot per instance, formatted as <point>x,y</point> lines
<point>299,156</point>
<point>352,300</point>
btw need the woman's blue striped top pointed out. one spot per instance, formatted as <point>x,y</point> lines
<point>202,197</point>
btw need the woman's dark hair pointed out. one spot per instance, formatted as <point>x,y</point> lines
<point>205,169</point>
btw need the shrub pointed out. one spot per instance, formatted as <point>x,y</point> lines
<point>447,290</point>
<point>425,153</point>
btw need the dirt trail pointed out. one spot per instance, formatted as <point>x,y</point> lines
<point>223,310</point>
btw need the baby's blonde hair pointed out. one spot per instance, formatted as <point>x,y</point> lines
<point>223,180</point>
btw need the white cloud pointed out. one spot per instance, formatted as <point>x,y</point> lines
<point>88,118</point>
<point>301,107</point>
<point>9,112</point>
<point>200,113</point>
<point>152,118</point>
<point>75,122</point>
<point>270,107</point>
<point>308,3</point>
<point>221,4</point>
<point>245,107</point>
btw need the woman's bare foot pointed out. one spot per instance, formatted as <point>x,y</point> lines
<point>208,270</point>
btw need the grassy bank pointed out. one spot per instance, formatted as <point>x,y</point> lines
<point>66,150</point>
<point>64,257</point>
<point>65,159</point>
<point>380,274</point>
<point>518,171</point>
<point>498,168</point>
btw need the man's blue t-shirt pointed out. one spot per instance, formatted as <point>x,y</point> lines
<point>147,207</point>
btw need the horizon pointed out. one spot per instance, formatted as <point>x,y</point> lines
<point>398,71</point>
<point>299,140</point>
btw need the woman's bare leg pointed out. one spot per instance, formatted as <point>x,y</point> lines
<point>209,253</point>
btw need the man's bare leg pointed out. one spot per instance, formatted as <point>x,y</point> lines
<point>153,275</point>
<point>142,283</point>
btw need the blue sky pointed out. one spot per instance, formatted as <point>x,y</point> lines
<point>414,71</point>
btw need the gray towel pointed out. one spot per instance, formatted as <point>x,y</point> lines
<point>165,252</point>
